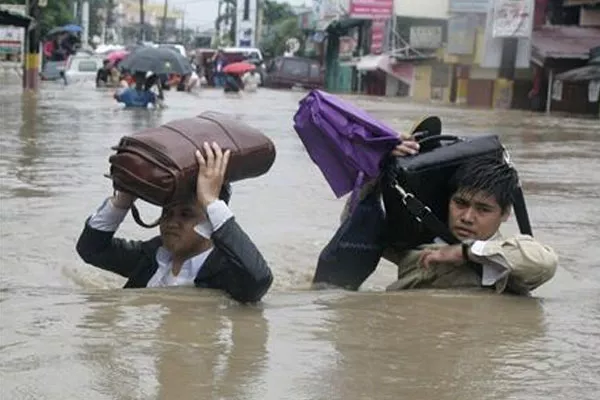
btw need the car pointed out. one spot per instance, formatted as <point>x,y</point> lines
<point>82,68</point>
<point>289,72</point>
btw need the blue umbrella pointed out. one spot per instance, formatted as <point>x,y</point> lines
<point>71,28</point>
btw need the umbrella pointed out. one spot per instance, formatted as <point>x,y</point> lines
<point>158,60</point>
<point>239,68</point>
<point>117,56</point>
<point>71,28</point>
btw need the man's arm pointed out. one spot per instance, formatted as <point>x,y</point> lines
<point>98,247</point>
<point>246,275</point>
<point>529,264</point>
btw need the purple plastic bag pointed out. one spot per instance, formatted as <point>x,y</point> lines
<point>345,142</point>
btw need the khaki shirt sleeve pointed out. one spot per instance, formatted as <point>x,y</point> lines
<point>530,264</point>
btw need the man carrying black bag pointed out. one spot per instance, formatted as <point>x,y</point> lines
<point>481,195</point>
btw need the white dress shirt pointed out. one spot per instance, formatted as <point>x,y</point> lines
<point>108,218</point>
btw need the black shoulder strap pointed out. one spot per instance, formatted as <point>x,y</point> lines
<point>424,215</point>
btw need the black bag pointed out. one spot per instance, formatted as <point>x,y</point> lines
<point>426,176</point>
<point>356,248</point>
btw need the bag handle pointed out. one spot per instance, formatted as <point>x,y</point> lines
<point>429,143</point>
<point>135,213</point>
<point>438,138</point>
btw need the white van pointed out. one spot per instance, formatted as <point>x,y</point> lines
<point>252,53</point>
<point>82,68</point>
<point>176,47</point>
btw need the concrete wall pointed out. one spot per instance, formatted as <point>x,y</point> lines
<point>434,9</point>
<point>589,17</point>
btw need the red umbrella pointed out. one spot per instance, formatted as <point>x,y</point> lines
<point>239,68</point>
<point>116,56</point>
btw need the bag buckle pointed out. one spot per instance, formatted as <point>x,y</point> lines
<point>403,193</point>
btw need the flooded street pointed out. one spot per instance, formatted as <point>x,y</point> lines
<point>69,332</point>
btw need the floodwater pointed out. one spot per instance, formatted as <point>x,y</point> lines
<point>69,332</point>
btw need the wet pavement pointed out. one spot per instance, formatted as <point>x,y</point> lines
<point>69,332</point>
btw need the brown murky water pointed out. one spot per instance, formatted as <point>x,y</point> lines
<point>69,332</point>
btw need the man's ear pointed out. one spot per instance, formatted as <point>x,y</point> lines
<point>506,214</point>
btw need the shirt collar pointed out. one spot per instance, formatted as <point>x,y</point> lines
<point>192,265</point>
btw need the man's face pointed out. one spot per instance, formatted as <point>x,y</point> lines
<point>474,215</point>
<point>177,228</point>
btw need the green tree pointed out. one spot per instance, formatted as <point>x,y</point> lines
<point>274,13</point>
<point>56,13</point>
<point>275,43</point>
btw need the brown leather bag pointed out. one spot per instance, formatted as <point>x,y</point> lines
<point>159,166</point>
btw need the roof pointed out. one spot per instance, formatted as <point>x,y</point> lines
<point>563,42</point>
<point>12,18</point>
<point>588,73</point>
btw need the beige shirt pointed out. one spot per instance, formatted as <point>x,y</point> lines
<point>517,264</point>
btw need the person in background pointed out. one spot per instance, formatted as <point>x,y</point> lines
<point>152,81</point>
<point>103,74</point>
<point>218,62</point>
<point>188,82</point>
<point>200,244</point>
<point>233,83</point>
<point>141,94</point>
<point>125,80</point>
<point>250,81</point>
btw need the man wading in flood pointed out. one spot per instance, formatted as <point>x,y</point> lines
<point>482,196</point>
<point>200,243</point>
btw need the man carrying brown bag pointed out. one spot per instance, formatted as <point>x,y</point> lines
<point>200,243</point>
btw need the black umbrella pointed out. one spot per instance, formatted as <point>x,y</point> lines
<point>158,60</point>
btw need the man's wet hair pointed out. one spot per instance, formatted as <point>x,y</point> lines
<point>489,174</point>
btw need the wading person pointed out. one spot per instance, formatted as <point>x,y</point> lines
<point>482,196</point>
<point>200,242</point>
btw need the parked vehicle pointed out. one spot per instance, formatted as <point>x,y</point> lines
<point>52,70</point>
<point>82,68</point>
<point>287,72</point>
<point>174,46</point>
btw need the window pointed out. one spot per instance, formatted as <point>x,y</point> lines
<point>295,68</point>
<point>315,70</point>
<point>87,66</point>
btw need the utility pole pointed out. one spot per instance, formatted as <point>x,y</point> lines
<point>218,21</point>
<point>142,24</point>
<point>85,23</point>
<point>109,20</point>
<point>32,60</point>
<point>163,26</point>
<point>183,28</point>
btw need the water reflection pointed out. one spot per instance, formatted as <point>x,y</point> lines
<point>433,345</point>
<point>176,344</point>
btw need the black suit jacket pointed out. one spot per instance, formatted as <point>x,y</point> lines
<point>235,265</point>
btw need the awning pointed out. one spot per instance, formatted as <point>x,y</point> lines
<point>15,19</point>
<point>341,27</point>
<point>401,71</point>
<point>372,62</point>
<point>587,73</point>
<point>563,42</point>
